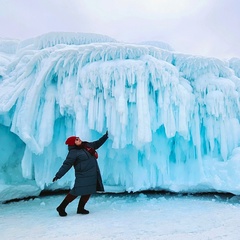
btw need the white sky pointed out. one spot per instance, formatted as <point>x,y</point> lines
<point>202,27</point>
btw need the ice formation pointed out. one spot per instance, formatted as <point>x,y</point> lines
<point>172,118</point>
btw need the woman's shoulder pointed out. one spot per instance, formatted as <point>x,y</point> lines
<point>75,152</point>
<point>72,150</point>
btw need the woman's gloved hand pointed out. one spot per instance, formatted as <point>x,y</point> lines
<point>55,179</point>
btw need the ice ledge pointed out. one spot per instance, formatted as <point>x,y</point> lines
<point>10,192</point>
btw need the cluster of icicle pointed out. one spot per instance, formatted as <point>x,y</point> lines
<point>165,112</point>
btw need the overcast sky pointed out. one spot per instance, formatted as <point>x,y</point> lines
<point>202,27</point>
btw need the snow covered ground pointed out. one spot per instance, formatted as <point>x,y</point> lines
<point>124,216</point>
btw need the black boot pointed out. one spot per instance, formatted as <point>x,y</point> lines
<point>83,200</point>
<point>82,211</point>
<point>61,208</point>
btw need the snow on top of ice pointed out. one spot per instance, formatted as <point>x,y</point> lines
<point>54,38</point>
<point>192,67</point>
<point>8,46</point>
<point>130,216</point>
<point>234,63</point>
<point>158,44</point>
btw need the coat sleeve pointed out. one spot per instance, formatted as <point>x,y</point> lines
<point>97,144</point>
<point>67,164</point>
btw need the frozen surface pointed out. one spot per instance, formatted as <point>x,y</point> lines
<point>172,118</point>
<point>139,216</point>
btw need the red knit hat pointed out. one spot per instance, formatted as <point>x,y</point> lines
<point>71,141</point>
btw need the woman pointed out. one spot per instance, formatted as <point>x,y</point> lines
<point>83,157</point>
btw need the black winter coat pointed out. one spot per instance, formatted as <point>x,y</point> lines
<point>88,178</point>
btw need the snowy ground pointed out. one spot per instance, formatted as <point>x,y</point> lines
<point>128,217</point>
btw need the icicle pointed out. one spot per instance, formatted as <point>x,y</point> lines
<point>27,165</point>
<point>168,114</point>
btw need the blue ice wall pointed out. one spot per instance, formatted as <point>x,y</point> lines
<point>172,118</point>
